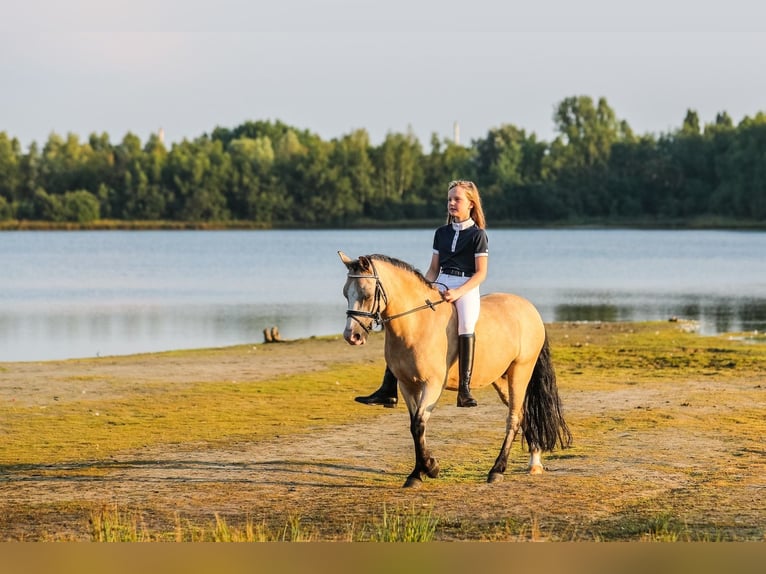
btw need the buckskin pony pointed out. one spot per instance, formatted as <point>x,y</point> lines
<point>421,342</point>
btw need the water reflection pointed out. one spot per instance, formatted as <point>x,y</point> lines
<point>713,316</point>
<point>753,314</point>
<point>67,334</point>
<point>586,313</point>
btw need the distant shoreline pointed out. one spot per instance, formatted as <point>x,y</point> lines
<point>167,225</point>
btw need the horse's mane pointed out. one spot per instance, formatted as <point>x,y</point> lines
<point>401,265</point>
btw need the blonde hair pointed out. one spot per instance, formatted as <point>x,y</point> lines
<point>472,194</point>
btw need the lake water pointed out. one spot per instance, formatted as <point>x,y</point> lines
<point>85,294</point>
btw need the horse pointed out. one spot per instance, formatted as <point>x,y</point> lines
<point>421,341</point>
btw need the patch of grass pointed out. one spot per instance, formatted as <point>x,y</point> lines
<point>292,531</point>
<point>664,526</point>
<point>214,412</point>
<point>641,352</point>
<point>405,526</point>
<point>114,524</point>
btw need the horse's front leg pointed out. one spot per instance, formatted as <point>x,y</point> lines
<point>420,408</point>
<point>425,463</point>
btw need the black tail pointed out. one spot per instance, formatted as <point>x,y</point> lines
<point>543,423</point>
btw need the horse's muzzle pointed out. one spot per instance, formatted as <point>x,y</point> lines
<point>355,336</point>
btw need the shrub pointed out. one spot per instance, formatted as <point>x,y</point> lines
<point>81,206</point>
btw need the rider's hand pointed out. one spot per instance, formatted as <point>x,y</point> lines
<point>450,295</point>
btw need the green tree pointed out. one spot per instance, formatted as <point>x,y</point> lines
<point>509,164</point>
<point>67,164</point>
<point>319,196</point>
<point>398,174</point>
<point>446,161</point>
<point>499,156</point>
<point>43,207</point>
<point>693,152</point>
<point>116,192</point>
<point>96,162</point>
<point>353,177</point>
<point>198,172</point>
<point>80,206</point>
<point>589,131</point>
<point>691,124</point>
<point>635,178</point>
<point>10,167</point>
<point>251,194</point>
<point>579,156</point>
<point>6,210</point>
<point>292,163</point>
<point>29,173</point>
<point>136,190</point>
<point>743,192</point>
<point>142,200</point>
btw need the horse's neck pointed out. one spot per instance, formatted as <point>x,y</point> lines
<point>406,292</point>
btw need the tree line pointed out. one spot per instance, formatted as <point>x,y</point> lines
<point>266,173</point>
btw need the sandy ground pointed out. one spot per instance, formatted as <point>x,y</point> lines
<point>341,477</point>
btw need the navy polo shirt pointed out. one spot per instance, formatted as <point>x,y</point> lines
<point>457,248</point>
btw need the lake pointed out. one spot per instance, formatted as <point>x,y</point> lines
<point>94,293</point>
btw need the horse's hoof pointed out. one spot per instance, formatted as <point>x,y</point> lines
<point>536,469</point>
<point>495,477</point>
<point>412,482</point>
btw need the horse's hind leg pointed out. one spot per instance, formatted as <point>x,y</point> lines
<point>502,390</point>
<point>518,376</point>
<point>535,462</point>
<point>497,473</point>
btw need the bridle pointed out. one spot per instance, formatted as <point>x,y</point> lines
<point>375,316</point>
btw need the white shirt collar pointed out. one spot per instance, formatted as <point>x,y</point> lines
<point>462,225</point>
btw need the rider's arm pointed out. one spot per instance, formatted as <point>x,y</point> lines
<point>433,269</point>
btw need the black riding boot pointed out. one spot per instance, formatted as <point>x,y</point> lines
<point>465,364</point>
<point>386,395</point>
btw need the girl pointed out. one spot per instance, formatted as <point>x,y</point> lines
<point>458,266</point>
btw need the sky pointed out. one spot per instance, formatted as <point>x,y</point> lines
<point>386,66</point>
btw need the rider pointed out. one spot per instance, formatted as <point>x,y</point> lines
<point>458,267</point>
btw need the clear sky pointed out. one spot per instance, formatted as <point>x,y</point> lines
<point>188,66</point>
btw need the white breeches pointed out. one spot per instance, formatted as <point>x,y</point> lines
<point>467,306</point>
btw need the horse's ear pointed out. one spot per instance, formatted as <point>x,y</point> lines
<point>345,258</point>
<point>364,263</point>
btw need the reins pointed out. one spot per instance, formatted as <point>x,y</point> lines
<point>428,305</point>
<point>380,292</point>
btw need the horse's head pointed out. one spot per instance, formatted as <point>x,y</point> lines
<point>365,296</point>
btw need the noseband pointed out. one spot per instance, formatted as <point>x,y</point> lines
<point>380,293</point>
